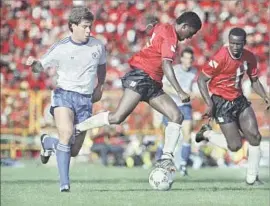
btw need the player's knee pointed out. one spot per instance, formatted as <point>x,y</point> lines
<point>65,134</point>
<point>235,147</point>
<point>177,118</point>
<point>255,140</point>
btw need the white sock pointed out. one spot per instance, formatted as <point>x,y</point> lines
<point>177,154</point>
<point>172,134</point>
<point>98,120</point>
<point>254,156</point>
<point>217,139</point>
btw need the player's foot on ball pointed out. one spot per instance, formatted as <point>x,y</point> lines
<point>65,188</point>
<point>183,170</point>
<point>44,153</point>
<point>166,164</point>
<point>256,182</point>
<point>199,135</point>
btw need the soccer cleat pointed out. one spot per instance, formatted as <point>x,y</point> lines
<point>65,188</point>
<point>44,153</point>
<point>166,164</point>
<point>199,135</point>
<point>183,170</point>
<point>256,182</point>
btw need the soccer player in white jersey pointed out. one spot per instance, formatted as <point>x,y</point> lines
<point>78,59</point>
<point>185,74</point>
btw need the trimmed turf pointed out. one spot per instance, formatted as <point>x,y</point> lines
<point>36,185</point>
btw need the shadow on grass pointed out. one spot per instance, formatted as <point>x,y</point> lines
<point>209,187</point>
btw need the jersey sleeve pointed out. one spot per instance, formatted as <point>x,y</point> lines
<point>49,58</point>
<point>252,70</point>
<point>168,49</point>
<point>102,59</point>
<point>214,64</point>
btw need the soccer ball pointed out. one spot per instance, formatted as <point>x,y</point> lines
<point>161,179</point>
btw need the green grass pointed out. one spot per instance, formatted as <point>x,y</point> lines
<point>36,185</point>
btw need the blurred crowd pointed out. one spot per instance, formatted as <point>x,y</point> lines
<point>30,27</point>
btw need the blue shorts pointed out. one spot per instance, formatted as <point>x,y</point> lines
<point>185,109</point>
<point>80,104</point>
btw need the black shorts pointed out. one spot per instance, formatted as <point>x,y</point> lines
<point>140,82</point>
<point>226,111</point>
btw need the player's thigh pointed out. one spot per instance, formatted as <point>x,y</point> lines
<point>64,118</point>
<point>186,129</point>
<point>249,126</point>
<point>77,145</point>
<point>232,135</point>
<point>127,104</point>
<point>166,106</point>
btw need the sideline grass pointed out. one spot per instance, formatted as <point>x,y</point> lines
<point>95,185</point>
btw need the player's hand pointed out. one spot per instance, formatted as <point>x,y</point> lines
<point>97,94</point>
<point>30,61</point>
<point>184,97</point>
<point>209,112</point>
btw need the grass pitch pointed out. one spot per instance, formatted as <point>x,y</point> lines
<point>37,185</point>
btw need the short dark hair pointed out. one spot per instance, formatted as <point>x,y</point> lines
<point>190,18</point>
<point>77,14</point>
<point>187,50</point>
<point>237,31</point>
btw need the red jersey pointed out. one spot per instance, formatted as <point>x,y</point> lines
<point>162,45</point>
<point>226,72</point>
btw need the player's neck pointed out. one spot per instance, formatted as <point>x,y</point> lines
<point>186,69</point>
<point>76,41</point>
<point>234,57</point>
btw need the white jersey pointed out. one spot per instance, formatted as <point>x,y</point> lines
<point>76,64</point>
<point>184,78</point>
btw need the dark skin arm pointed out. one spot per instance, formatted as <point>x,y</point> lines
<point>258,89</point>
<point>35,64</point>
<point>169,73</point>
<point>203,87</point>
<point>101,75</point>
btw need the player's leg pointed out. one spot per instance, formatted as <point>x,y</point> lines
<point>77,144</point>
<point>127,104</point>
<point>64,118</point>
<point>224,115</point>
<point>232,135</point>
<point>166,106</point>
<point>48,144</point>
<point>183,151</point>
<point>187,129</point>
<point>186,146</point>
<point>249,126</point>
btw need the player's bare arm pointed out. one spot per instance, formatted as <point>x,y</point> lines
<point>203,87</point>
<point>169,73</point>
<point>258,88</point>
<point>35,64</point>
<point>101,75</point>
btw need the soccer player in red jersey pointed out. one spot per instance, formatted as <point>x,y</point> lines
<point>231,110</point>
<point>143,83</point>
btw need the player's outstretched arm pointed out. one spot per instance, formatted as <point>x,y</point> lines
<point>258,88</point>
<point>203,87</point>
<point>101,75</point>
<point>35,64</point>
<point>169,73</point>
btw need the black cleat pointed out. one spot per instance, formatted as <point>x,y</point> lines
<point>166,164</point>
<point>199,135</point>
<point>65,188</point>
<point>44,154</point>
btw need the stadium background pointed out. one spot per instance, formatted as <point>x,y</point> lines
<point>30,27</point>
